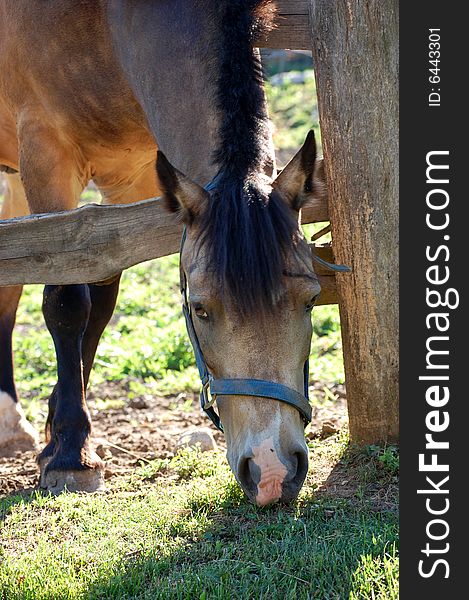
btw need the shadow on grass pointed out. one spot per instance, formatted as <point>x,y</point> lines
<point>324,546</point>
<point>365,475</point>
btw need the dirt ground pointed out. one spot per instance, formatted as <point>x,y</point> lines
<point>149,427</point>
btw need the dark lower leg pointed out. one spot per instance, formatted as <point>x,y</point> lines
<point>9,298</point>
<point>16,433</point>
<point>66,310</point>
<point>103,300</point>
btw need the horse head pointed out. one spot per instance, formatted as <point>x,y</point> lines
<point>250,286</point>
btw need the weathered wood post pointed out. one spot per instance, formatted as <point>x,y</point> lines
<point>355,50</point>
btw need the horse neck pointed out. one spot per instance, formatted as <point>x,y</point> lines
<point>186,92</point>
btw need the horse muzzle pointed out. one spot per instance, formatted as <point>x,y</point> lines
<point>268,475</point>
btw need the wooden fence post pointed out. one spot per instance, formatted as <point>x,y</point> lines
<point>355,51</point>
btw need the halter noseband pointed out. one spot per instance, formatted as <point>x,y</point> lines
<point>211,388</point>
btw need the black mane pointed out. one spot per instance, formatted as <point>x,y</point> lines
<point>247,228</point>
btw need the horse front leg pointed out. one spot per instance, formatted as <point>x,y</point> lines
<point>73,464</point>
<point>103,301</point>
<point>103,298</point>
<point>53,174</point>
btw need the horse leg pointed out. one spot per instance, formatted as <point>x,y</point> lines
<point>16,432</point>
<point>53,179</point>
<point>103,298</point>
<point>103,301</point>
<point>73,463</point>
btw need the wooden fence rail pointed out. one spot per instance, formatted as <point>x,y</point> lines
<point>293,29</point>
<point>94,242</point>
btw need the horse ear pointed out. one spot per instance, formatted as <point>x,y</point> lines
<point>302,180</point>
<point>180,194</point>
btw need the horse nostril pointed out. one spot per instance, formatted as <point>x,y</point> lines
<point>301,466</point>
<point>266,481</point>
<point>297,474</point>
<point>247,476</point>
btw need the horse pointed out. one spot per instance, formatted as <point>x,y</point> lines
<point>119,92</point>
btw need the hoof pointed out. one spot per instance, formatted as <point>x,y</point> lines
<point>56,482</point>
<point>16,432</point>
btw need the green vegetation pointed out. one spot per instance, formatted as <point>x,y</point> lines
<point>293,114</point>
<point>181,529</point>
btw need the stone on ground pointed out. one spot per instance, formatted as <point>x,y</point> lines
<point>201,436</point>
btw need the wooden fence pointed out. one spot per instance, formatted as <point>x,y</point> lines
<point>93,244</point>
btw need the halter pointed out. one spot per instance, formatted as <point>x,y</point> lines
<point>212,388</point>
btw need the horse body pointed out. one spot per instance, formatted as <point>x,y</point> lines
<point>68,108</point>
<point>90,90</point>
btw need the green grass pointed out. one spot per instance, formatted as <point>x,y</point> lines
<point>293,113</point>
<point>182,529</point>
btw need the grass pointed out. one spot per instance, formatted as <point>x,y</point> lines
<point>292,113</point>
<point>182,529</point>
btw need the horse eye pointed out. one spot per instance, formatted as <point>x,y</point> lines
<point>200,312</point>
<point>311,303</point>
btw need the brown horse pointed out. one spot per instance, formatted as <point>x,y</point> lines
<point>85,90</point>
